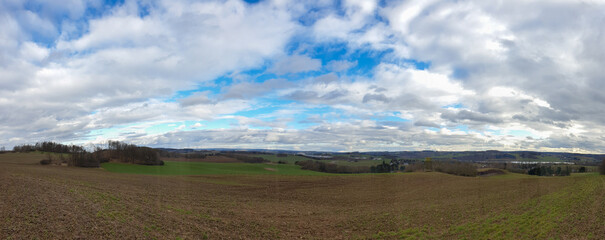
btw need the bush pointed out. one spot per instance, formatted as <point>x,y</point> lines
<point>602,168</point>
<point>45,161</point>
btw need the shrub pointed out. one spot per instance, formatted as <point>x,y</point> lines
<point>45,161</point>
<point>602,168</point>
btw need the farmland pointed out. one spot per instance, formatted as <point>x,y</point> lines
<point>206,168</point>
<point>209,203</point>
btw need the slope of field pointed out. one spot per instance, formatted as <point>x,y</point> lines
<point>28,158</point>
<point>207,168</point>
<point>53,202</point>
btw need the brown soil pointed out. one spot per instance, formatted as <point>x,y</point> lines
<point>66,203</point>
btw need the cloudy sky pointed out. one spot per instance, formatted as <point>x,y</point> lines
<point>305,75</point>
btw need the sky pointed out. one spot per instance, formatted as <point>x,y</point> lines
<point>319,75</point>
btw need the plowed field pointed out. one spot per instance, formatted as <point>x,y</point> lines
<point>55,202</point>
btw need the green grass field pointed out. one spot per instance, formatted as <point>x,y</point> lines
<point>203,168</point>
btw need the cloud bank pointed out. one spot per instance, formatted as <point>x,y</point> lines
<point>349,76</point>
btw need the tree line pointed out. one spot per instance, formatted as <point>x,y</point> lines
<point>48,147</point>
<point>450,167</point>
<point>548,171</point>
<point>187,155</point>
<point>319,166</point>
<point>79,157</point>
<point>243,158</point>
<point>384,167</point>
<point>130,153</point>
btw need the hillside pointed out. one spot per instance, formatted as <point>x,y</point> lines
<point>67,202</point>
<point>470,156</point>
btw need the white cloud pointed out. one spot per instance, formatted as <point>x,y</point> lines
<point>401,16</point>
<point>32,52</point>
<point>124,60</point>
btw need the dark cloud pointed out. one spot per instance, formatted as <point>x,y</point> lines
<point>314,97</point>
<point>301,95</point>
<point>426,123</point>
<point>375,97</point>
<point>334,94</point>
<point>463,115</point>
<point>326,78</point>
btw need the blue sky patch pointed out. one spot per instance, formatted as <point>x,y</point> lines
<point>455,105</point>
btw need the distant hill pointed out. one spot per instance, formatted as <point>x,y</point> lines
<point>470,156</point>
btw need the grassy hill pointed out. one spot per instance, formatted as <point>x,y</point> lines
<point>206,168</point>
